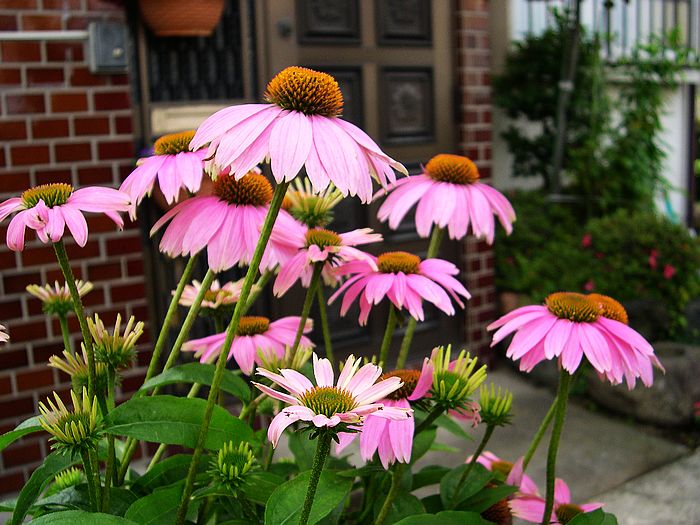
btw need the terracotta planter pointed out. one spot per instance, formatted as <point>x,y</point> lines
<point>181,17</point>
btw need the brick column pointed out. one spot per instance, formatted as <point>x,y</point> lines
<point>474,73</point>
<point>59,123</point>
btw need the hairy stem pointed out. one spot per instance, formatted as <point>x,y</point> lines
<point>396,476</point>
<point>258,288</point>
<point>433,249</point>
<point>327,343</point>
<point>308,302</point>
<point>230,333</point>
<point>65,332</point>
<point>87,467</point>
<point>323,448</point>
<point>539,434</point>
<point>388,334</point>
<point>558,425</point>
<point>465,475</point>
<point>435,413</point>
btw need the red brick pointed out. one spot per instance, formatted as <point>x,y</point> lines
<point>100,223</point>
<point>95,298</point>
<point>19,4</point>
<point>23,104</point>
<point>37,256</point>
<point>61,5</point>
<point>10,309</point>
<point>13,130</point>
<point>104,272</point>
<point>29,155</point>
<point>28,331</point>
<point>77,22</point>
<point>20,52</point>
<point>56,274</point>
<point>10,77</point>
<point>112,100</point>
<point>11,482</point>
<point>40,22</point>
<point>91,249</point>
<point>50,128</point>
<point>103,5</point>
<point>64,52</point>
<point>72,152</point>
<point>13,359</point>
<point>124,245</point>
<point>91,126</point>
<point>127,292</point>
<point>63,102</point>
<point>134,267</point>
<point>16,407</point>
<point>5,385</point>
<point>43,352</point>
<point>44,77</point>
<point>35,378</point>
<point>95,175</point>
<point>81,76</point>
<point>21,453</point>
<point>47,176</point>
<point>123,125</point>
<point>8,23</point>
<point>115,150</point>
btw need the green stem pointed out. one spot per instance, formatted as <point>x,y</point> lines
<point>268,458</point>
<point>327,343</point>
<point>95,464</point>
<point>265,232</point>
<point>218,324</point>
<point>433,248</point>
<point>87,466</point>
<point>308,302</point>
<point>435,413</point>
<point>251,407</point>
<point>470,467</point>
<point>111,453</point>
<point>63,262</point>
<point>559,416</point>
<point>260,285</point>
<point>323,448</point>
<point>539,435</point>
<point>132,444</point>
<point>65,331</point>
<point>391,496</point>
<point>388,334</point>
<point>172,309</point>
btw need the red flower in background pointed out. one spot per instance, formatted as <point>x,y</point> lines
<point>652,259</point>
<point>669,271</point>
<point>586,240</point>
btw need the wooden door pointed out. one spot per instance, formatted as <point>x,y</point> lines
<point>394,61</point>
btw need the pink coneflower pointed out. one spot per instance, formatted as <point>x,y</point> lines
<point>449,194</point>
<point>319,245</point>
<point>571,325</point>
<point>4,336</point>
<point>173,165</point>
<point>531,507</point>
<point>217,296</point>
<point>254,336</point>
<point>227,223</point>
<point>353,397</point>
<point>299,127</point>
<point>50,208</point>
<point>511,472</point>
<point>393,439</point>
<point>669,271</point>
<point>405,280</point>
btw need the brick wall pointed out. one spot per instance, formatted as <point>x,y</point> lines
<point>474,73</point>
<point>58,123</point>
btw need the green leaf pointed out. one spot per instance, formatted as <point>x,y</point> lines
<point>403,506</point>
<point>486,497</point>
<point>27,426</point>
<point>40,478</point>
<point>597,517</point>
<point>286,502</point>
<point>260,485</point>
<point>453,427</point>
<point>303,449</point>
<point>8,505</point>
<point>447,517</point>
<point>81,517</point>
<point>442,447</point>
<point>203,374</point>
<point>170,470</point>
<point>478,478</point>
<point>430,475</point>
<point>367,470</point>
<point>159,508</point>
<point>422,443</point>
<point>78,497</point>
<point>175,421</point>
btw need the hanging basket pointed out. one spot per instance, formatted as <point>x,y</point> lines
<point>181,17</point>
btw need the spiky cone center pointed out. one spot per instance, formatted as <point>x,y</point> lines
<point>174,143</point>
<point>252,325</point>
<point>395,262</point>
<point>233,462</point>
<point>322,238</point>
<point>454,169</point>
<point>499,513</point>
<point>328,400</point>
<point>305,90</point>
<point>54,194</point>
<point>610,308</point>
<point>252,189</point>
<point>502,467</point>
<point>567,512</point>
<point>495,405</point>
<point>409,378</point>
<point>116,349</point>
<point>573,306</point>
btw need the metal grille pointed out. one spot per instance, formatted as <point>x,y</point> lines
<point>199,68</point>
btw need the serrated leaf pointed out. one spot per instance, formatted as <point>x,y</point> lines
<point>28,426</point>
<point>81,517</point>
<point>286,502</point>
<point>203,374</point>
<point>478,478</point>
<point>175,421</point>
<point>38,481</point>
